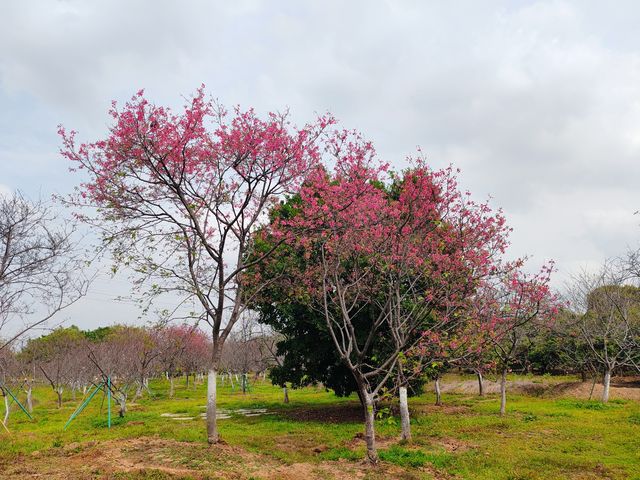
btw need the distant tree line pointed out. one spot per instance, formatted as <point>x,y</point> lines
<point>70,360</point>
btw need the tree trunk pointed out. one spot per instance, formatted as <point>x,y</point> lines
<point>29,399</point>
<point>583,375</point>
<point>503,392</point>
<point>285,390</point>
<point>138,390</point>
<point>187,380</point>
<point>438,392</point>
<point>369,430</point>
<point>171,387</point>
<point>404,415</point>
<point>480,383</point>
<point>59,393</point>
<point>123,405</point>
<point>212,421</point>
<point>244,383</point>
<point>593,385</point>
<point>6,408</point>
<point>605,384</point>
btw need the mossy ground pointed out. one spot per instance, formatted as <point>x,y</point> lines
<point>318,435</point>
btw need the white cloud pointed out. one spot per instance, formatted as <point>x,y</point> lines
<point>537,102</point>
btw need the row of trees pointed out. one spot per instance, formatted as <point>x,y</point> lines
<point>598,333</point>
<point>68,359</point>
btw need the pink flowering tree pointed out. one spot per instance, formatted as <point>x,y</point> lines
<point>176,197</point>
<point>511,307</point>
<point>392,259</point>
<point>467,253</point>
<point>182,350</point>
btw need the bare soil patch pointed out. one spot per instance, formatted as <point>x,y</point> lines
<point>169,459</point>
<point>453,445</point>
<point>350,413</point>
<point>444,408</point>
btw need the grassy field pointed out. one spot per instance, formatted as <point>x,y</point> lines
<point>318,435</point>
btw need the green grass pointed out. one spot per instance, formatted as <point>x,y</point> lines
<point>540,438</point>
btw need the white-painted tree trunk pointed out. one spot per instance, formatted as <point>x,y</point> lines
<point>171,387</point>
<point>480,383</point>
<point>503,392</point>
<point>285,390</point>
<point>122,401</point>
<point>212,421</point>
<point>139,390</point>
<point>438,392</point>
<point>605,384</point>
<point>6,409</point>
<point>404,415</point>
<point>29,398</point>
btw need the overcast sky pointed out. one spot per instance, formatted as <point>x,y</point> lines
<point>537,102</point>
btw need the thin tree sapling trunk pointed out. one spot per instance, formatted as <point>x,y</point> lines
<point>503,392</point>
<point>122,401</point>
<point>28,391</point>
<point>593,386</point>
<point>438,392</point>
<point>6,407</point>
<point>480,383</point>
